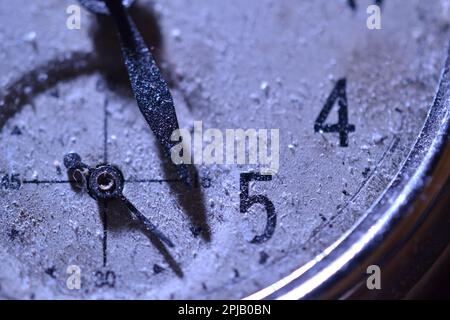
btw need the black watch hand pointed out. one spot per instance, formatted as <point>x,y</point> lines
<point>150,90</point>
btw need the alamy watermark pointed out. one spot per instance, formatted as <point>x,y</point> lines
<point>373,281</point>
<point>230,146</point>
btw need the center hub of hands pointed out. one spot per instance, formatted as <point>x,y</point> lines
<point>105,182</point>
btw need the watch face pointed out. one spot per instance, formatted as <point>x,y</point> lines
<point>298,114</point>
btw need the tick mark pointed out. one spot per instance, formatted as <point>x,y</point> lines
<point>16,131</point>
<point>366,172</point>
<point>157,269</point>
<point>13,234</point>
<point>51,272</point>
<point>263,256</point>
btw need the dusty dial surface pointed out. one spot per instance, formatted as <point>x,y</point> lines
<point>348,103</point>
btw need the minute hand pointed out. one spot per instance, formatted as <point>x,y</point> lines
<point>150,90</point>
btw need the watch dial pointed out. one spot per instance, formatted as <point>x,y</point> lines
<point>347,101</point>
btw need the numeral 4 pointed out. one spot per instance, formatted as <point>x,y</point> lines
<point>352,3</point>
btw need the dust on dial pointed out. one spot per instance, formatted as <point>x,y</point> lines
<point>252,64</point>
